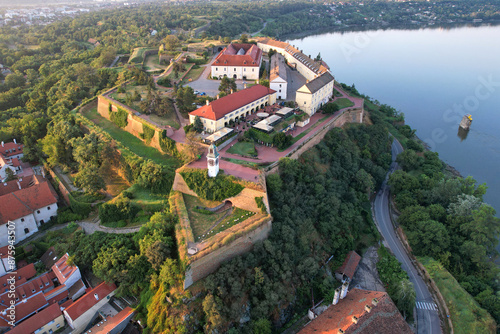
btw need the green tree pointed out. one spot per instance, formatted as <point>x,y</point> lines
<point>244,38</point>
<point>171,42</point>
<point>90,179</point>
<point>261,326</point>
<point>10,175</point>
<point>405,297</point>
<point>226,85</point>
<point>214,319</point>
<point>198,124</point>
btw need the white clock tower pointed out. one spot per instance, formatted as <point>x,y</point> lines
<point>213,161</point>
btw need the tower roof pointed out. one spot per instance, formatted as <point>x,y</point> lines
<point>212,151</point>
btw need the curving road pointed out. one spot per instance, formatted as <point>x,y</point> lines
<point>427,316</point>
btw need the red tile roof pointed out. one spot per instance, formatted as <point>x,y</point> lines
<point>24,308</point>
<point>107,326</point>
<point>217,109</point>
<point>383,318</point>
<point>62,270</point>
<point>25,182</point>
<point>88,300</point>
<point>57,294</point>
<point>23,202</point>
<point>230,57</point>
<point>10,149</point>
<point>29,288</point>
<point>22,273</point>
<point>38,320</point>
<point>350,264</point>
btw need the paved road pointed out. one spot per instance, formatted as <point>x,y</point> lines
<point>427,317</point>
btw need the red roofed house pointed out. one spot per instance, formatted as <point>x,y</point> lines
<point>348,268</point>
<point>114,324</point>
<point>360,312</point>
<point>238,61</point>
<point>84,310</point>
<point>10,153</point>
<point>6,264</point>
<point>22,275</point>
<point>217,114</point>
<point>66,274</point>
<point>22,309</point>
<point>23,211</point>
<point>47,320</point>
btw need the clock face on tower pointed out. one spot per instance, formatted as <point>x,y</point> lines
<point>210,163</point>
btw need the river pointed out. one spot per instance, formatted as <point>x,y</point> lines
<point>434,76</point>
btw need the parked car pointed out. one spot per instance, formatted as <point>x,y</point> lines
<point>202,93</point>
<point>196,92</point>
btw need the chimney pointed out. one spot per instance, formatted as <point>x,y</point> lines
<point>208,102</point>
<point>19,185</point>
<point>231,91</point>
<point>310,314</point>
<point>96,296</point>
<point>375,301</point>
<point>345,286</point>
<point>355,319</point>
<point>15,141</point>
<point>368,308</point>
<point>336,296</point>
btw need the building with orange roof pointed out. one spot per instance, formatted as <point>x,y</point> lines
<point>48,320</point>
<point>217,114</point>
<point>115,324</point>
<point>80,313</point>
<point>24,210</point>
<point>21,183</point>
<point>238,61</point>
<point>22,275</point>
<point>346,271</point>
<point>10,153</point>
<point>278,76</point>
<point>22,309</point>
<point>67,274</point>
<point>360,312</point>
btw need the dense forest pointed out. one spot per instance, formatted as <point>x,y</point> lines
<point>320,202</point>
<point>445,217</point>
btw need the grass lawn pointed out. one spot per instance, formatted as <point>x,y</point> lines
<point>200,222</point>
<point>193,75</point>
<point>238,216</point>
<point>152,61</point>
<point>466,315</point>
<point>147,200</point>
<point>243,162</point>
<point>136,56</point>
<point>169,119</point>
<point>243,148</point>
<point>343,103</point>
<point>130,141</point>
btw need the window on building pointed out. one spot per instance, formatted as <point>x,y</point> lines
<point>280,85</point>
<point>26,230</point>
<point>58,325</point>
<point>41,221</point>
<point>51,331</point>
<point>280,90</point>
<point>304,102</point>
<point>235,69</point>
<point>216,69</point>
<point>48,208</point>
<point>37,211</point>
<point>253,69</point>
<point>244,70</point>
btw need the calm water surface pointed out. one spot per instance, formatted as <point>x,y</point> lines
<point>433,76</point>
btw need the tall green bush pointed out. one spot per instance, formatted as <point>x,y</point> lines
<point>119,117</point>
<point>147,133</point>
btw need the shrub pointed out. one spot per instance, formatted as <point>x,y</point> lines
<point>167,144</point>
<point>119,117</point>
<point>147,133</point>
<point>164,81</point>
<point>65,215</point>
<point>120,209</point>
<point>211,188</point>
<point>260,204</point>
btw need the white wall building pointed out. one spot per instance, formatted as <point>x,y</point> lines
<point>315,93</point>
<point>23,211</point>
<point>238,61</point>
<point>278,76</point>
